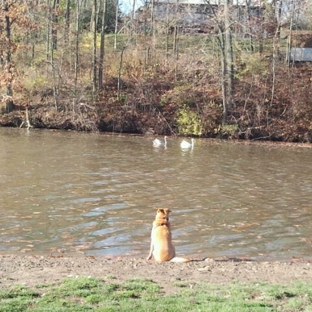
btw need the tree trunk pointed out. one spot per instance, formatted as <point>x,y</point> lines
<point>153,22</point>
<point>289,41</point>
<point>119,74</point>
<point>48,33</point>
<point>102,47</point>
<point>228,54</point>
<point>77,45</point>
<point>94,58</point>
<point>132,30</point>
<point>167,31</point>
<point>276,48</point>
<point>116,24</point>
<point>176,50</point>
<point>248,26</point>
<point>67,20</point>
<point>54,23</point>
<point>225,44</point>
<point>7,59</point>
<point>223,78</point>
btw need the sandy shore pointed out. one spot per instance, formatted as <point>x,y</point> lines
<point>34,270</point>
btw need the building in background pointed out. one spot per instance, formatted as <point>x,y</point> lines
<point>197,16</point>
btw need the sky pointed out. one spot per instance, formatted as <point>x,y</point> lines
<point>126,5</point>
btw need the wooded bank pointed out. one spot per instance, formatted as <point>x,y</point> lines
<point>66,72</point>
<point>157,106</point>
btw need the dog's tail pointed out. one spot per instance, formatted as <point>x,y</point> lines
<point>180,259</point>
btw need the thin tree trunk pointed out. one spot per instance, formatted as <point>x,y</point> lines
<point>132,18</point>
<point>119,74</point>
<point>289,41</point>
<point>94,58</point>
<point>55,87</point>
<point>48,37</point>
<point>54,24</point>
<point>228,54</point>
<point>175,41</point>
<point>248,26</point>
<point>102,46</point>
<point>167,31</point>
<point>116,24</point>
<point>176,50</point>
<point>67,20</point>
<point>8,55</point>
<point>76,50</point>
<point>276,49</point>
<point>223,79</point>
<point>225,43</point>
<point>152,21</point>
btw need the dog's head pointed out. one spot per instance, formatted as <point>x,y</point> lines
<point>163,214</point>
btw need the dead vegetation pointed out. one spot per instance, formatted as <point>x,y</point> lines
<point>154,103</point>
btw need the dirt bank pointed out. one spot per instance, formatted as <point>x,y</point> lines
<point>34,270</point>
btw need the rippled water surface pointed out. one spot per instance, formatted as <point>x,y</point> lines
<point>97,194</point>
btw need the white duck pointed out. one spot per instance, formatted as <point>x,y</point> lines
<point>186,144</point>
<point>157,142</point>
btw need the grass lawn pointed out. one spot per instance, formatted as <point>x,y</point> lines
<point>92,294</point>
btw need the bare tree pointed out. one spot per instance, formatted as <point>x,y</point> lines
<point>76,66</point>
<point>67,19</point>
<point>14,17</point>
<point>276,44</point>
<point>297,16</point>
<point>228,60</point>
<point>102,49</point>
<point>116,23</point>
<point>6,29</point>
<point>222,20</point>
<point>94,54</point>
<point>54,23</point>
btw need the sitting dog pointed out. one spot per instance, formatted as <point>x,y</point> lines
<point>161,241</point>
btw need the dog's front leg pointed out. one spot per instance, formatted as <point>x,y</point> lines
<point>151,251</point>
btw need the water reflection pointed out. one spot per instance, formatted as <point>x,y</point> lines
<point>97,194</point>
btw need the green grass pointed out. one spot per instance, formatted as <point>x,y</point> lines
<point>92,294</point>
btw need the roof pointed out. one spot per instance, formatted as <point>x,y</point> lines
<point>301,54</point>
<point>252,3</point>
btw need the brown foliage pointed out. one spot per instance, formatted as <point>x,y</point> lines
<point>286,117</point>
<point>147,103</point>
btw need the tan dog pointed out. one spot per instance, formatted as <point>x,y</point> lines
<point>161,241</point>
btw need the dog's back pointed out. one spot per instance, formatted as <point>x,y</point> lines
<point>162,248</point>
<point>161,241</point>
<point>161,236</point>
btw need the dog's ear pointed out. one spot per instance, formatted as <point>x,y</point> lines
<point>161,210</point>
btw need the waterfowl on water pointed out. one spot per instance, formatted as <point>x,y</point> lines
<point>186,144</point>
<point>157,142</point>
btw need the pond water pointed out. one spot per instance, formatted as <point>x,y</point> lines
<point>97,194</point>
